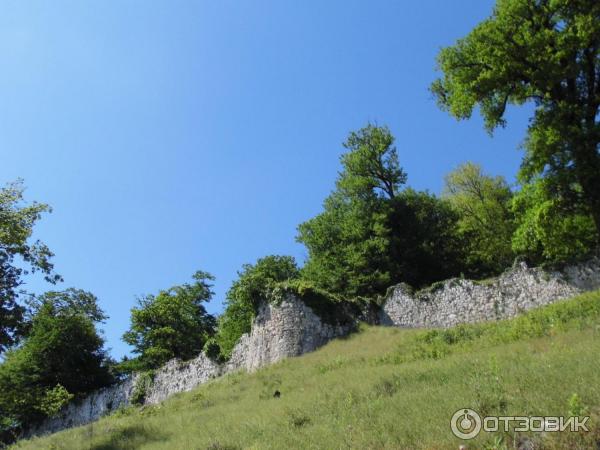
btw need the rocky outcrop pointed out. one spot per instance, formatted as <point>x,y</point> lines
<point>458,301</point>
<point>291,328</point>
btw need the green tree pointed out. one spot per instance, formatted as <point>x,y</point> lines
<point>424,247</point>
<point>62,356</point>
<point>370,233</point>
<point>71,301</point>
<point>172,324</point>
<point>254,284</point>
<point>371,164</point>
<point>541,52</point>
<point>348,242</point>
<point>485,224</point>
<point>550,228</point>
<point>18,257</point>
<point>348,246</point>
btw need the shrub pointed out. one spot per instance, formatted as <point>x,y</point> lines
<point>54,400</point>
<point>142,385</point>
<point>212,349</point>
<point>172,324</point>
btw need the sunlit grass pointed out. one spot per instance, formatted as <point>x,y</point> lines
<point>380,388</point>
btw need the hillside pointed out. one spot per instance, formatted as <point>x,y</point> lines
<point>382,388</point>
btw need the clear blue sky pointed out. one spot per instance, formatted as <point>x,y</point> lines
<point>171,136</point>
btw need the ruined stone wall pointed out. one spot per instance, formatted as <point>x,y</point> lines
<point>92,407</point>
<point>279,331</point>
<point>464,301</point>
<point>291,328</point>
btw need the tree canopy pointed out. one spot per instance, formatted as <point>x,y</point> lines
<point>62,356</point>
<point>486,223</point>
<point>171,324</point>
<point>370,166</point>
<point>545,53</point>
<point>372,233</point>
<point>18,257</point>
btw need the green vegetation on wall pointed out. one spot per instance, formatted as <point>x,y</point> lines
<point>254,284</point>
<point>172,324</point>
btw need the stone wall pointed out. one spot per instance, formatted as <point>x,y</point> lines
<point>288,329</point>
<point>464,301</point>
<point>95,405</point>
<point>279,331</point>
<point>291,328</point>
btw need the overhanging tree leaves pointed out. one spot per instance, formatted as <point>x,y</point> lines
<point>545,52</point>
<point>18,257</point>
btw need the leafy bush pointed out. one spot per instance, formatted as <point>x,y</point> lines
<point>254,284</point>
<point>142,384</point>
<point>54,400</point>
<point>172,324</point>
<point>297,418</point>
<point>212,349</point>
<point>330,308</point>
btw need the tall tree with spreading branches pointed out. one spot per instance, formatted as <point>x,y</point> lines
<point>544,52</point>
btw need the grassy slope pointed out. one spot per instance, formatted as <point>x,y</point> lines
<point>381,388</point>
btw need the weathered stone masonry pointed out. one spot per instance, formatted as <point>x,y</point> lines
<point>288,329</point>
<point>464,301</point>
<point>292,329</point>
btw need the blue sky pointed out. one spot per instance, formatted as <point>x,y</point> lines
<point>172,136</point>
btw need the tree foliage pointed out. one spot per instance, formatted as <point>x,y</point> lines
<point>255,282</point>
<point>424,247</point>
<point>18,257</point>
<point>172,324</point>
<point>550,229</point>
<point>486,224</point>
<point>546,53</point>
<point>62,356</point>
<point>370,233</point>
<point>371,165</point>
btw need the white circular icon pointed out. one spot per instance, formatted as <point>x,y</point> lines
<point>465,424</point>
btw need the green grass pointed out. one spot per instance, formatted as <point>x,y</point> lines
<point>381,388</point>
